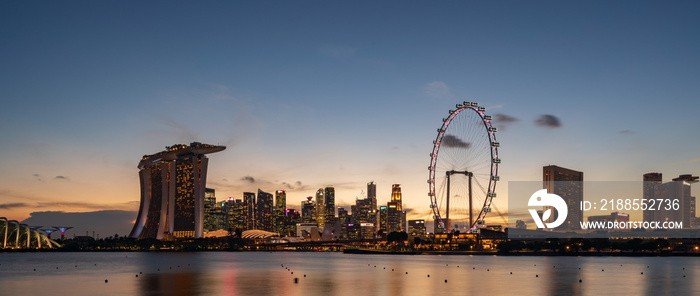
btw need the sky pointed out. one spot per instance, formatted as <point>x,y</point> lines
<point>306,94</point>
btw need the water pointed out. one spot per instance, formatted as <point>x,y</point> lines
<point>252,273</point>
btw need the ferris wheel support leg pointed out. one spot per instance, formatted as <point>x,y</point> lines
<point>470,200</point>
<point>447,207</point>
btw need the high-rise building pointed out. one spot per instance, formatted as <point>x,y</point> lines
<point>308,211</point>
<point>280,201</point>
<point>330,204</point>
<point>372,195</point>
<point>383,219</point>
<point>692,207</point>
<point>249,203</point>
<point>396,196</point>
<point>568,184</point>
<point>416,228</point>
<point>172,192</point>
<point>648,187</point>
<point>679,190</point>
<point>280,210</point>
<point>393,217</point>
<point>209,207</point>
<point>237,213</point>
<point>344,219</point>
<point>320,207</point>
<point>265,216</point>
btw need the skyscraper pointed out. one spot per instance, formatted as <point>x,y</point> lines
<point>648,187</point>
<point>209,209</point>
<point>172,192</point>
<point>679,190</point>
<point>372,195</point>
<point>568,184</point>
<point>265,217</point>
<point>308,211</point>
<point>250,217</point>
<point>396,195</point>
<point>280,210</point>
<point>330,204</point>
<point>320,208</point>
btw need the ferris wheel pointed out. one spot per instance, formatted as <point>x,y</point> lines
<point>463,169</point>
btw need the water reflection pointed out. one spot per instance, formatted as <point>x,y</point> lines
<point>339,274</point>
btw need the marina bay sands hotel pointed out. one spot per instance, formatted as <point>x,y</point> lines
<point>172,192</point>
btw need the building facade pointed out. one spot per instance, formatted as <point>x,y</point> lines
<point>568,184</point>
<point>173,184</point>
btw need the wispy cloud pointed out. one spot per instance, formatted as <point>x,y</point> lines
<point>627,132</point>
<point>337,52</point>
<point>9,206</point>
<point>183,134</point>
<point>437,89</point>
<point>548,121</point>
<point>62,177</point>
<point>248,179</point>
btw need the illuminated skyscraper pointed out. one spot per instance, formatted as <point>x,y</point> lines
<point>330,204</point>
<point>265,215</point>
<point>568,184</point>
<point>372,195</point>
<point>280,200</point>
<point>320,208</point>
<point>308,211</point>
<point>383,218</point>
<point>393,217</point>
<point>209,208</point>
<point>249,202</point>
<point>280,210</point>
<point>172,192</point>
<point>396,196</point>
<point>650,182</point>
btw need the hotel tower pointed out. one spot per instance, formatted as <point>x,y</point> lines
<point>172,192</point>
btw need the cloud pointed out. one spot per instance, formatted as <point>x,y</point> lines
<point>296,185</point>
<point>503,118</point>
<point>548,121</point>
<point>337,52</point>
<point>9,206</point>
<point>183,133</point>
<point>454,142</point>
<point>627,132</point>
<point>62,177</point>
<point>502,121</point>
<point>437,89</point>
<point>248,179</point>
<point>37,177</point>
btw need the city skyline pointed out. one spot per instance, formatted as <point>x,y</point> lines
<point>343,95</point>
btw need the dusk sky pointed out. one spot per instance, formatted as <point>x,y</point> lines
<point>310,93</point>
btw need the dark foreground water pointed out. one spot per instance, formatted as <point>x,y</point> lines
<point>250,273</point>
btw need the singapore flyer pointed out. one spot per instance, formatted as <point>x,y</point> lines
<point>463,169</point>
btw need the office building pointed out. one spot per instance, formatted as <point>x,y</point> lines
<point>172,192</point>
<point>416,228</point>
<point>648,190</point>
<point>568,184</point>
<point>396,196</point>
<point>265,217</point>
<point>209,206</point>
<point>250,217</point>
<point>678,189</point>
